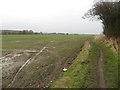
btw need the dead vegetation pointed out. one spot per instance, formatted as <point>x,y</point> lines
<point>112,42</point>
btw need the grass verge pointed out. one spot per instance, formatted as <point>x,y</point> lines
<point>75,76</point>
<point>91,80</point>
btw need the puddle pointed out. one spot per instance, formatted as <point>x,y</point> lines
<point>17,55</point>
<point>31,51</point>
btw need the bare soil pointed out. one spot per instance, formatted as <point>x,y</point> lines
<point>12,63</point>
<point>11,68</point>
<point>101,80</point>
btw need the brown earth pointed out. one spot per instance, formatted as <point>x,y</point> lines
<point>30,55</point>
<point>101,80</point>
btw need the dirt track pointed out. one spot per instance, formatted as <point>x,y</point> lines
<point>101,80</point>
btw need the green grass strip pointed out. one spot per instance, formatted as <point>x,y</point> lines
<point>75,76</point>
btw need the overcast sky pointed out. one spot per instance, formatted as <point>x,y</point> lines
<point>48,16</point>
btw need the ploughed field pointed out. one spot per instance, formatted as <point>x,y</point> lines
<point>37,60</point>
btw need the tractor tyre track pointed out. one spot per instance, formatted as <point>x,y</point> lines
<point>28,61</point>
<point>101,80</point>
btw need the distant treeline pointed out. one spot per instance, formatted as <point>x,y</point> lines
<point>14,32</point>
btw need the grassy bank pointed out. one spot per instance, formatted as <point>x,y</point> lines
<point>91,80</point>
<point>75,76</point>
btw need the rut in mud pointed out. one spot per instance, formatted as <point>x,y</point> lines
<point>101,80</point>
<point>28,61</point>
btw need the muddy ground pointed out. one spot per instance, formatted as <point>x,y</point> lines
<point>13,61</point>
